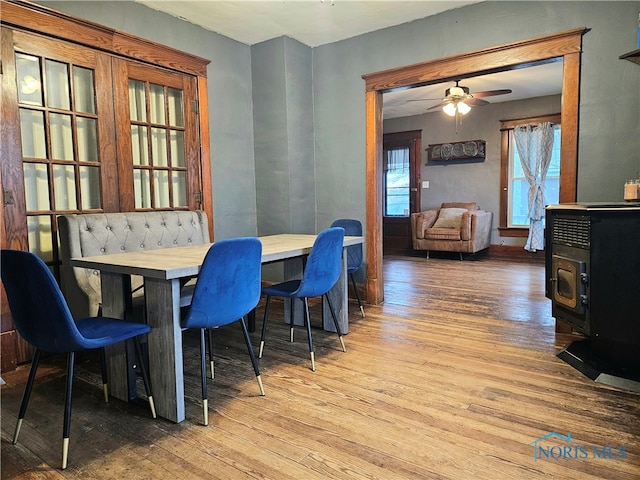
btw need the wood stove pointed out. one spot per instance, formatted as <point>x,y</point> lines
<point>592,266</point>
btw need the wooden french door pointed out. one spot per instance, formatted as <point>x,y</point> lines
<point>401,188</point>
<point>84,131</point>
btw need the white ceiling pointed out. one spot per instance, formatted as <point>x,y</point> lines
<point>318,22</point>
<point>312,22</point>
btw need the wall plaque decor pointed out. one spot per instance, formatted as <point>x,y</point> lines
<point>469,150</point>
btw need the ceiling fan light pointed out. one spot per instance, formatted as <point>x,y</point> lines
<point>463,108</point>
<point>456,91</point>
<point>449,109</point>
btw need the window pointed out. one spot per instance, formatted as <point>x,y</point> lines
<point>396,182</point>
<point>514,187</point>
<point>518,207</point>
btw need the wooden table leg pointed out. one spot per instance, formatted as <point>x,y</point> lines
<point>339,297</point>
<point>165,347</point>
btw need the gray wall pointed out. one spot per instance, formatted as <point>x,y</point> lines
<point>609,136</point>
<point>470,181</point>
<point>283,142</point>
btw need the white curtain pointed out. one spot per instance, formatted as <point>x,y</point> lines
<point>534,144</point>
<point>397,160</point>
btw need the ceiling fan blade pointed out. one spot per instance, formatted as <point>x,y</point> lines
<point>476,102</point>
<point>491,93</point>
<point>440,105</point>
<point>423,99</point>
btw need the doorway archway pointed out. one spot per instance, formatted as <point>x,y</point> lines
<point>565,46</point>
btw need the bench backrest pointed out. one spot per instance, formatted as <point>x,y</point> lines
<point>85,235</point>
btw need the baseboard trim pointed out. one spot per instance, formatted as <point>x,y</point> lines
<point>516,252</point>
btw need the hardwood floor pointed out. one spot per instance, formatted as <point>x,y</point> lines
<point>453,377</point>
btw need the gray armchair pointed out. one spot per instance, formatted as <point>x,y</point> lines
<point>455,227</point>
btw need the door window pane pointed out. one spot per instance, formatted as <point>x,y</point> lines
<point>159,147</point>
<point>36,186</point>
<point>140,153</point>
<point>29,79</point>
<point>83,90</point>
<point>61,137</point>
<point>137,101</point>
<point>90,187</point>
<point>141,187</point>
<point>34,143</point>
<point>176,118</point>
<point>180,189</point>
<point>64,187</point>
<point>40,240</point>
<point>87,139</point>
<point>57,85</point>
<point>396,183</point>
<point>161,188</point>
<point>177,148</point>
<point>156,103</point>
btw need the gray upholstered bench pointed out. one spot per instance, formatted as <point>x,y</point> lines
<point>85,235</point>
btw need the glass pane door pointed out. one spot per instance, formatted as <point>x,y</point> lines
<point>157,118</point>
<point>61,163</point>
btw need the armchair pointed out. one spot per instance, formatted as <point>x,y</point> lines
<point>455,227</point>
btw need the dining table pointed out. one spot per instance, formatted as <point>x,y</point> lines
<point>164,271</point>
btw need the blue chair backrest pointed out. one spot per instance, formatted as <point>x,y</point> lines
<point>39,310</point>
<point>228,285</point>
<point>323,264</point>
<point>352,228</point>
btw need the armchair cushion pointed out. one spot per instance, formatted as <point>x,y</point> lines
<point>450,218</point>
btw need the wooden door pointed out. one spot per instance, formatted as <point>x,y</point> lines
<point>157,137</point>
<point>401,188</point>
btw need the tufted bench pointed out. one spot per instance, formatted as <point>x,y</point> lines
<point>85,235</point>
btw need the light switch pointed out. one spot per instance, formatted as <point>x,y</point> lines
<point>425,184</point>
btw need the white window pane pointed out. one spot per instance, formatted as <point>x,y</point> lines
<point>57,85</point>
<point>156,103</point>
<point>34,143</point>
<point>64,187</point>
<point>161,188</point>
<point>176,118</point>
<point>40,240</point>
<point>87,139</point>
<point>83,90</point>
<point>159,147</point>
<point>61,137</point>
<point>177,148</point>
<point>90,188</point>
<point>142,188</point>
<point>29,79</point>
<point>36,186</point>
<point>179,189</point>
<point>139,150</point>
<point>137,101</point>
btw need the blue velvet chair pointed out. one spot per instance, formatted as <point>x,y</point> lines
<point>352,228</point>
<point>228,288</point>
<point>42,317</point>
<point>321,273</point>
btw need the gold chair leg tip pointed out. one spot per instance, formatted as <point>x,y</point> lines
<point>152,405</point>
<point>17,432</point>
<point>65,452</point>
<point>261,386</point>
<point>205,411</point>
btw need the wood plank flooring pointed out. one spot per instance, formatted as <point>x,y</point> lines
<point>453,377</point>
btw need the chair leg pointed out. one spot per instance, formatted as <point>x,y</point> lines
<point>203,375</point>
<point>355,289</point>
<point>145,375</point>
<point>247,340</point>
<point>27,394</point>
<point>66,425</point>
<point>103,371</point>
<point>210,347</point>
<point>335,322</point>
<point>264,326</point>
<point>460,256</point>
<point>308,324</point>
<point>291,300</point>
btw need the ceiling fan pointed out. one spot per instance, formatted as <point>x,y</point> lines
<point>459,99</point>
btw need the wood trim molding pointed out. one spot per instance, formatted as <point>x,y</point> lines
<point>488,60</point>
<point>565,46</point>
<point>40,19</point>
